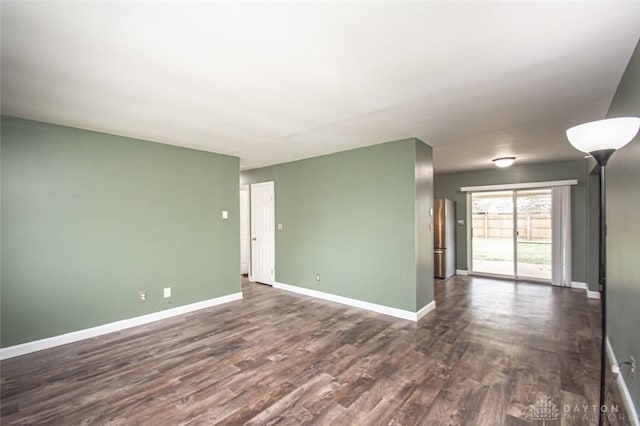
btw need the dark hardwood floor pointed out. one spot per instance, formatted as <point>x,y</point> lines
<point>490,352</point>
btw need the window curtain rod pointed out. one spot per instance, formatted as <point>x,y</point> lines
<point>529,185</point>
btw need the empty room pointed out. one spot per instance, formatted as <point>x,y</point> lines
<point>330,213</point>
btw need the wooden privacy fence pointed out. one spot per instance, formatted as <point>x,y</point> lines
<point>531,226</point>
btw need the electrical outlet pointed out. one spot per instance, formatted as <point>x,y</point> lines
<point>142,296</point>
<point>167,292</point>
<point>317,277</point>
<point>634,367</point>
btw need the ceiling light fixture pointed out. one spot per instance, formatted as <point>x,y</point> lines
<point>601,139</point>
<point>504,161</point>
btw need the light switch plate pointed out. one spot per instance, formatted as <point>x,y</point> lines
<point>225,214</point>
<point>279,227</point>
<point>167,292</point>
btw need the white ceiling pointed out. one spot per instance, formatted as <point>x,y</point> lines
<point>276,82</point>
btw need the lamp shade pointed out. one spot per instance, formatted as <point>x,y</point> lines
<point>612,133</point>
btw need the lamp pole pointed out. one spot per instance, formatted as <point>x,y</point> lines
<point>602,157</point>
<point>601,139</point>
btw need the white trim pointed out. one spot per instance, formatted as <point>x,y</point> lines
<point>462,272</point>
<point>622,386</point>
<point>498,276</point>
<point>87,333</point>
<point>431,306</point>
<point>593,294</point>
<point>469,229</point>
<point>578,284</point>
<point>528,185</point>
<point>374,307</point>
<point>514,232</point>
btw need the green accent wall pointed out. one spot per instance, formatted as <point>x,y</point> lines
<point>593,226</point>
<point>424,224</point>
<point>447,185</point>
<point>91,219</point>
<point>623,232</point>
<point>351,217</point>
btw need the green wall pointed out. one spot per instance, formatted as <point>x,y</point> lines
<point>593,226</point>
<point>351,217</point>
<point>90,219</point>
<point>424,224</point>
<point>623,231</point>
<point>447,185</point>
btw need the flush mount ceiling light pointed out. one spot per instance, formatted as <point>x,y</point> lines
<point>504,161</point>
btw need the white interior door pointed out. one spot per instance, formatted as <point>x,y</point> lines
<point>245,227</point>
<point>262,233</point>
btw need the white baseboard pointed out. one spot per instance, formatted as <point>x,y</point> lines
<point>431,306</point>
<point>74,336</point>
<point>585,287</point>
<point>622,387</point>
<point>462,272</point>
<point>593,294</point>
<point>381,309</point>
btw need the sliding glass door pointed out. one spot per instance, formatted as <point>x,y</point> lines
<point>492,233</point>
<point>511,233</point>
<point>533,234</point>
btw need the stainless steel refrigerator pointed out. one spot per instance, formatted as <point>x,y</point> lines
<point>444,238</point>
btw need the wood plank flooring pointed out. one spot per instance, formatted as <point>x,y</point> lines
<point>489,351</point>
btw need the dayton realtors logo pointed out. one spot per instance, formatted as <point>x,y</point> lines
<point>586,413</point>
<point>543,410</point>
<point>546,411</point>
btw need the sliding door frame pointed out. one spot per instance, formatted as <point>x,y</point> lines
<point>514,200</point>
<point>470,240</point>
<point>506,187</point>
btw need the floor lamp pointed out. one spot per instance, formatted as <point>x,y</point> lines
<point>601,139</point>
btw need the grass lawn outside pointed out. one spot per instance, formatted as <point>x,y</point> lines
<point>501,249</point>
